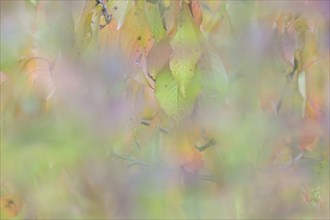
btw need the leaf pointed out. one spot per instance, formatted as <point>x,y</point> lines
<point>119,10</point>
<point>158,57</point>
<point>136,35</point>
<point>288,38</point>
<point>10,205</point>
<point>84,22</point>
<point>169,97</point>
<point>171,16</point>
<point>186,50</point>
<point>155,21</point>
<point>196,11</point>
<point>310,52</point>
<point>88,28</point>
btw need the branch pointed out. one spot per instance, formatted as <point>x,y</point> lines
<point>133,160</point>
<point>107,16</point>
<point>205,146</point>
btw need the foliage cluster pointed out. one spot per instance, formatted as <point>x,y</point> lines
<point>164,109</point>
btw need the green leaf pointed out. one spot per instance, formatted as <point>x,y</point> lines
<point>171,99</point>
<point>119,10</point>
<point>155,21</point>
<point>84,26</point>
<point>186,50</point>
<point>90,42</point>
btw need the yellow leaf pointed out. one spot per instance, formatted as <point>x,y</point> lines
<point>136,35</point>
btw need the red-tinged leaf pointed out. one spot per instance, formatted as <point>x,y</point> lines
<point>196,11</point>
<point>158,57</point>
<point>171,17</point>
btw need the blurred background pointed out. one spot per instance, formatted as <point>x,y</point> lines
<point>83,135</point>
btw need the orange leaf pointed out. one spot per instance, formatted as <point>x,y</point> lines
<point>10,205</point>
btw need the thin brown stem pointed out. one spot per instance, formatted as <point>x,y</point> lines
<point>205,146</point>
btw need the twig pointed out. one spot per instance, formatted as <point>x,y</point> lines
<point>290,164</point>
<point>205,146</point>
<point>141,163</point>
<point>207,177</point>
<point>147,123</point>
<point>133,160</point>
<point>107,16</point>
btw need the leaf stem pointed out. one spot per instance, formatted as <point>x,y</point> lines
<point>205,146</point>
<point>142,163</point>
